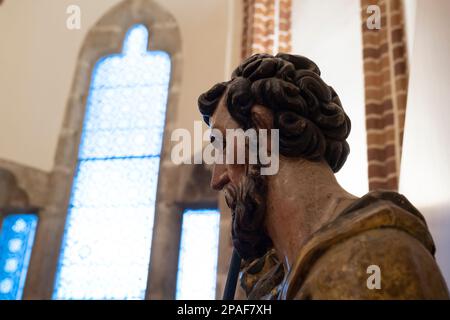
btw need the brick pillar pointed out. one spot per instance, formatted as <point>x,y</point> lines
<point>386,83</point>
<point>262,24</point>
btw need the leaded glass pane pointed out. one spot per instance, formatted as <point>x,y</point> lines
<point>106,247</point>
<point>197,263</point>
<point>16,242</point>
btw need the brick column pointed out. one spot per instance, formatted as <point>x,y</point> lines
<point>386,83</point>
<point>263,24</point>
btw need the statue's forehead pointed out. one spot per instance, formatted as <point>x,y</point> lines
<point>222,119</point>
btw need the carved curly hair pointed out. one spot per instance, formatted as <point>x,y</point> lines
<point>308,113</point>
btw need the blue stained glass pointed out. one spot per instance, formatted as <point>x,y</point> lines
<point>107,241</point>
<point>197,262</point>
<point>16,243</point>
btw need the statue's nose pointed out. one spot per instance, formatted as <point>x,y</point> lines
<point>219,177</point>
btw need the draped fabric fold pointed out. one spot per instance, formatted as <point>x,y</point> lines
<point>386,85</point>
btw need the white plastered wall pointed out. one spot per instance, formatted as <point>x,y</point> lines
<point>38,56</point>
<point>425,169</point>
<point>329,33</point>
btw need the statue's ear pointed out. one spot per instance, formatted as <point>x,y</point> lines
<point>262,117</point>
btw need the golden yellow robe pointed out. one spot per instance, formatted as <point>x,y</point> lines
<point>381,229</point>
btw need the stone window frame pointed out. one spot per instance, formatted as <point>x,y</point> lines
<point>106,38</point>
<point>14,198</point>
<point>188,187</point>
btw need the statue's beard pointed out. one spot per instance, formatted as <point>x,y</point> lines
<point>247,202</point>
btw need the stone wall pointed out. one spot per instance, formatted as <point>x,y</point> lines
<point>22,186</point>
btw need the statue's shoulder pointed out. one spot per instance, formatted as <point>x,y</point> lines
<point>378,248</point>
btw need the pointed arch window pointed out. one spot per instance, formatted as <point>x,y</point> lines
<point>199,248</point>
<point>16,242</point>
<point>107,239</point>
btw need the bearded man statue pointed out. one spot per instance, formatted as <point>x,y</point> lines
<point>299,233</point>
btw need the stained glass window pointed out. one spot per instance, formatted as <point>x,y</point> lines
<point>16,241</point>
<point>106,248</point>
<point>197,262</point>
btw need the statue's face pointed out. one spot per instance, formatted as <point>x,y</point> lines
<point>225,174</point>
<point>245,192</point>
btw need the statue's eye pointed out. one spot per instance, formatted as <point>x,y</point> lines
<point>217,142</point>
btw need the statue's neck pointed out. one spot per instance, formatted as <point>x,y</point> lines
<point>301,198</point>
